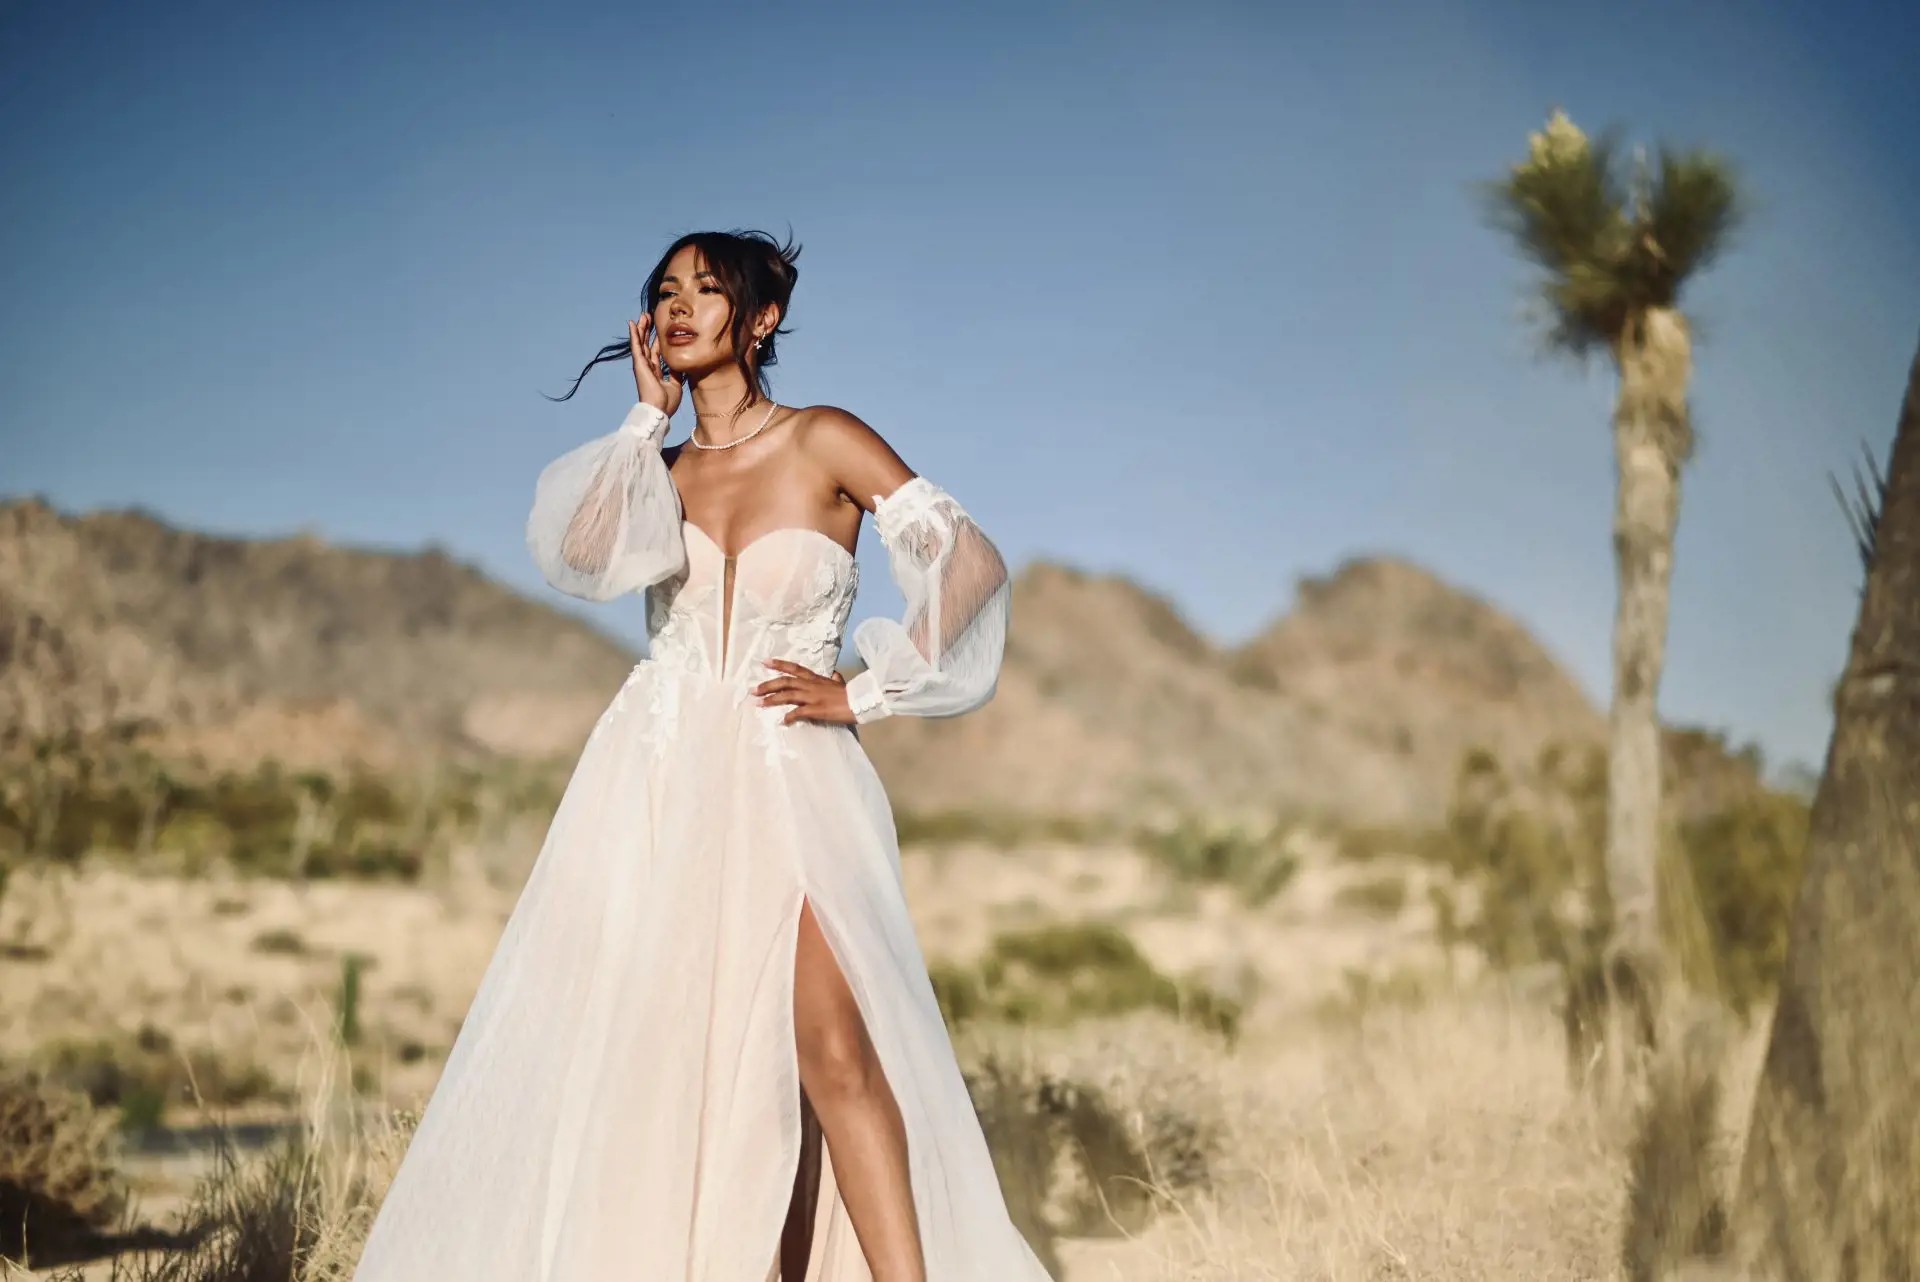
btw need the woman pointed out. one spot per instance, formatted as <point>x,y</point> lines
<point>712,964</point>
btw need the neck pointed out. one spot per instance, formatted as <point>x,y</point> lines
<point>717,397</point>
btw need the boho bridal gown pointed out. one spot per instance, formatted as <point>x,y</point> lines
<point>622,1103</point>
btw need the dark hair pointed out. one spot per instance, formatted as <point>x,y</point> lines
<point>752,269</point>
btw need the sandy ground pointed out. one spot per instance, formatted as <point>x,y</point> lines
<point>1437,1138</point>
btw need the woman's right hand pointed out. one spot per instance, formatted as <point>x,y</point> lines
<point>663,393</point>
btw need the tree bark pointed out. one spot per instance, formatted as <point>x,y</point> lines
<point>1651,439</point>
<point>1830,1184</point>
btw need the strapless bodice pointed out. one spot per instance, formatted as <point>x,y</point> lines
<point>793,589</point>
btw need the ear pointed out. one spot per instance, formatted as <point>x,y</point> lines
<point>767,321</point>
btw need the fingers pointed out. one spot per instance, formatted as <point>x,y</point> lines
<point>784,690</point>
<point>644,366</point>
<point>813,697</point>
<point>822,710</point>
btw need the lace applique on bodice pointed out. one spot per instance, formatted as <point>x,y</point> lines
<point>793,589</point>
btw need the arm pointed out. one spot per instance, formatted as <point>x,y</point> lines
<point>942,657</point>
<point>606,517</point>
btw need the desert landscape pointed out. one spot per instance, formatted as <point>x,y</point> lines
<point>1254,968</point>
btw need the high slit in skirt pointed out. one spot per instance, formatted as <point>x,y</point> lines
<point>622,1102</point>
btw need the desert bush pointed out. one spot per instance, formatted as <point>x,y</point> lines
<point>143,1074</point>
<point>1366,842</point>
<point>1679,1164</point>
<point>1255,861</point>
<point>59,1178</point>
<point>1745,863</point>
<point>1090,1140</point>
<point>1058,973</point>
<point>1384,895</point>
<point>1528,848</point>
<point>1003,829</point>
<point>67,799</point>
<point>281,941</point>
<point>296,1211</point>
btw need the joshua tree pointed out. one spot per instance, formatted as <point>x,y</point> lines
<point>1617,244</point>
<point>1830,1186</point>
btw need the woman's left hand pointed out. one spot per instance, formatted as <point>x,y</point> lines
<point>814,697</point>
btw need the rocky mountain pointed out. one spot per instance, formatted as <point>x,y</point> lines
<point>237,649</point>
<point>1359,701</point>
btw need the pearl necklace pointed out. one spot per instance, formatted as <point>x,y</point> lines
<point>694,440</point>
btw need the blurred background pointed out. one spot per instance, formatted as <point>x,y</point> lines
<point>1246,331</point>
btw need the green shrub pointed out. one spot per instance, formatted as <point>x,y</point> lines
<point>68,798</point>
<point>284,942</point>
<point>1531,850</point>
<point>1255,863</point>
<point>1058,973</point>
<point>1384,895</point>
<point>1074,1159</point>
<point>1364,842</point>
<point>1746,864</point>
<point>1004,829</point>
<point>144,1074</point>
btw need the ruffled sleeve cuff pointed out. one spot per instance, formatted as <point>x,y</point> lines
<point>865,697</point>
<point>645,421</point>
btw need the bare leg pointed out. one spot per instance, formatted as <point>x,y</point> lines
<point>796,1236</point>
<point>841,1074</point>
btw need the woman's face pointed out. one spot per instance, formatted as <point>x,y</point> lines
<point>693,316</point>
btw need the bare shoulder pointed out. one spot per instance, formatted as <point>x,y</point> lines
<point>857,457</point>
<point>831,429</point>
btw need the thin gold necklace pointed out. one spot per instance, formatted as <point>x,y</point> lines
<point>693,437</point>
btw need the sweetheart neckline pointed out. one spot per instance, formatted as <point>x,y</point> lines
<point>766,534</point>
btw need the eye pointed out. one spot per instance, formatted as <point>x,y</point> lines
<point>709,289</point>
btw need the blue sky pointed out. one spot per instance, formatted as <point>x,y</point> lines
<point>1200,294</point>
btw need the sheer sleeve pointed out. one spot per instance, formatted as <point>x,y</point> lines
<point>606,518</point>
<point>942,657</point>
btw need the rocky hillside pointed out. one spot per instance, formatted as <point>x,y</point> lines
<point>238,649</point>
<point>1359,701</point>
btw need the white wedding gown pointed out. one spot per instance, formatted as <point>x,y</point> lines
<point>622,1103</point>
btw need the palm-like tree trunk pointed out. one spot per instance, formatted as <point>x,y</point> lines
<point>1651,439</point>
<point>1830,1186</point>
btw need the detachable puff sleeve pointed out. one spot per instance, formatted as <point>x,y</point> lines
<point>606,518</point>
<point>942,657</point>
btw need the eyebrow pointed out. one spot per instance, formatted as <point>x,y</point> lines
<point>696,276</point>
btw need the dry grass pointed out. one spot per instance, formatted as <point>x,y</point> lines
<point>1441,1141</point>
<point>1359,1128</point>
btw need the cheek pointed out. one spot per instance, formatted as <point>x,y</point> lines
<point>714,316</point>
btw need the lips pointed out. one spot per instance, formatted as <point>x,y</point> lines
<point>680,335</point>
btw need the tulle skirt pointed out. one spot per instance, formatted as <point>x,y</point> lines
<point>623,1099</point>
